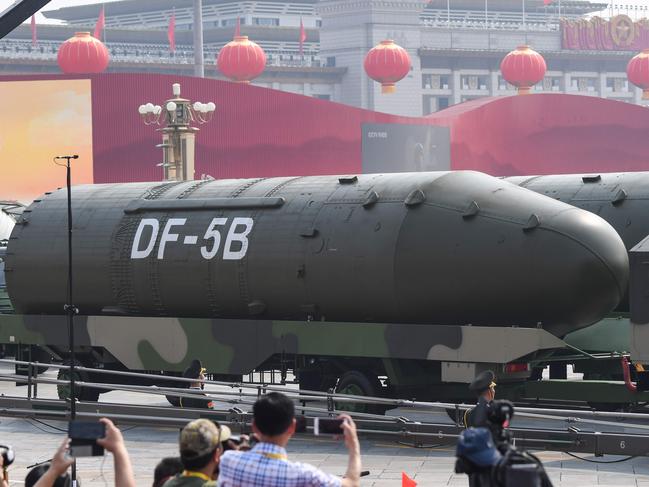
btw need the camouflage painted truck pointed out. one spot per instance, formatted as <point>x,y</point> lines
<point>398,285</point>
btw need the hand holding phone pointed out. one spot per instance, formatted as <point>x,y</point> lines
<point>328,426</point>
<point>83,438</point>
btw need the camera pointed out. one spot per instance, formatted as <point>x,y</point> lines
<point>8,455</point>
<point>486,454</point>
<point>83,438</point>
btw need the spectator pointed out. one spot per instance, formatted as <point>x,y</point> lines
<point>56,473</point>
<point>113,442</point>
<point>167,468</point>
<point>267,465</point>
<point>4,478</point>
<point>200,450</point>
<point>39,471</point>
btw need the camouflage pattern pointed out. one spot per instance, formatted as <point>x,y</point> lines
<point>239,346</point>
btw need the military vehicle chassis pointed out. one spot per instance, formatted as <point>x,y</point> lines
<point>432,363</point>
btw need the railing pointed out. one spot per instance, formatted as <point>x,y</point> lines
<point>314,404</point>
<point>148,54</point>
<point>476,19</point>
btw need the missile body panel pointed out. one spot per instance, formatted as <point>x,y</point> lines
<point>445,248</point>
<point>622,199</point>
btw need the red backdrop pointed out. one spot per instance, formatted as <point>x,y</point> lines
<point>262,132</point>
<point>547,134</point>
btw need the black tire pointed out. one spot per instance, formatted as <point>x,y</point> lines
<point>357,383</point>
<point>86,394</point>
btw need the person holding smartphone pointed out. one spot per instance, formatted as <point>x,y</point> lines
<point>267,464</point>
<point>113,441</point>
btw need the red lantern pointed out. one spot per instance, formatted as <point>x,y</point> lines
<point>387,63</point>
<point>82,54</point>
<point>523,68</point>
<point>638,72</point>
<point>241,60</point>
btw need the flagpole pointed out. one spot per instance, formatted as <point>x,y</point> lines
<point>524,20</point>
<point>448,12</point>
<point>486,12</point>
<point>103,6</point>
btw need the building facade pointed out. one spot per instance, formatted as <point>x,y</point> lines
<point>455,45</point>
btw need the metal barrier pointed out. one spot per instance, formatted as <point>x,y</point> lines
<point>237,397</point>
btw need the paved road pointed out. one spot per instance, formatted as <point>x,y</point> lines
<point>35,442</point>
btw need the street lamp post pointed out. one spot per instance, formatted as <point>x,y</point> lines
<point>178,136</point>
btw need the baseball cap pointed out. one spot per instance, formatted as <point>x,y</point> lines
<point>201,437</point>
<point>477,446</point>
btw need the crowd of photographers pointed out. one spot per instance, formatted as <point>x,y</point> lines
<point>210,455</point>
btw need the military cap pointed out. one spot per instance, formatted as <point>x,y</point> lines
<point>482,382</point>
<point>201,437</point>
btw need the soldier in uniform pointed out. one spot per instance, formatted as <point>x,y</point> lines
<point>485,387</point>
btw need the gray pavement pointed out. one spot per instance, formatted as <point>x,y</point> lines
<point>36,441</point>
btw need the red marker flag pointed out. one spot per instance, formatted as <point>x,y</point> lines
<point>171,32</point>
<point>237,28</point>
<point>407,481</point>
<point>34,39</point>
<point>547,2</point>
<point>101,23</point>
<point>302,36</point>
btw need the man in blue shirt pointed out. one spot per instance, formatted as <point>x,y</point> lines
<point>267,464</point>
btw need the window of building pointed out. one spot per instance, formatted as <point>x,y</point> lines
<point>474,82</point>
<point>435,81</point>
<point>433,103</point>
<point>231,22</point>
<point>549,83</point>
<point>617,85</point>
<point>322,97</point>
<point>331,61</point>
<point>318,23</point>
<point>266,21</point>
<point>583,83</point>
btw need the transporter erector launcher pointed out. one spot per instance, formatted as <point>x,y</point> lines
<point>441,248</point>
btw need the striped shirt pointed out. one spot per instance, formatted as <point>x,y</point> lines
<point>267,465</point>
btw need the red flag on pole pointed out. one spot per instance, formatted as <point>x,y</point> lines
<point>171,32</point>
<point>547,2</point>
<point>101,23</point>
<point>302,36</point>
<point>34,39</point>
<point>237,28</point>
<point>407,481</point>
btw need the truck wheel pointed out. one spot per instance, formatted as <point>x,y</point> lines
<point>356,383</point>
<point>88,394</point>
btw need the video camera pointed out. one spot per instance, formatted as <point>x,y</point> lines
<point>486,454</point>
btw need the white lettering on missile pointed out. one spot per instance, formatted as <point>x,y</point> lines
<point>136,253</point>
<point>242,238</point>
<point>236,241</point>
<point>167,236</point>
<point>213,233</point>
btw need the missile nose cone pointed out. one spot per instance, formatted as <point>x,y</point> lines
<point>599,261</point>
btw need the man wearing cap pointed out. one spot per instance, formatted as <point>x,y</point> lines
<point>485,387</point>
<point>267,464</point>
<point>200,451</point>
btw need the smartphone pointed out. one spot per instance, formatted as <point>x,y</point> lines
<point>83,438</point>
<point>327,426</point>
